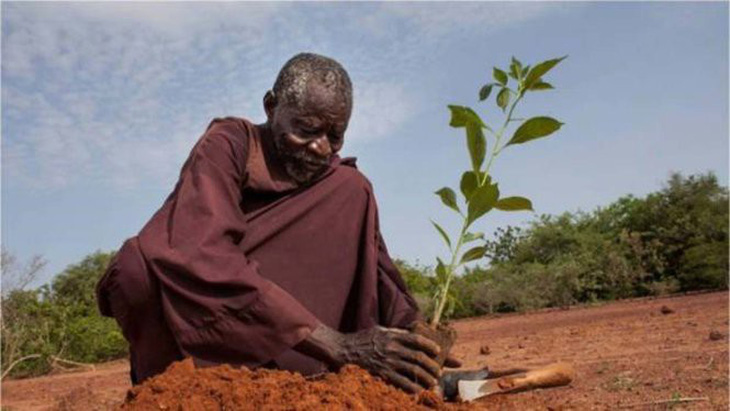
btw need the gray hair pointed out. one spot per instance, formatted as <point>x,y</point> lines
<point>291,83</point>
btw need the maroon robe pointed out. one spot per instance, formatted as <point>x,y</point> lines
<point>230,271</point>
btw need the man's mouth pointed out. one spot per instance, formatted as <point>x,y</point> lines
<point>304,172</point>
<point>313,165</point>
<point>307,162</point>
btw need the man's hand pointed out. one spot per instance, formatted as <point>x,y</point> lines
<point>401,358</point>
<point>404,359</point>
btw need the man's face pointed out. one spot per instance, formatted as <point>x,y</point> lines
<point>307,135</point>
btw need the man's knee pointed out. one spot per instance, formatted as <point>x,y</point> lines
<point>126,288</point>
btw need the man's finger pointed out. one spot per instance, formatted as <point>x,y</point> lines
<point>420,343</point>
<point>452,362</point>
<point>414,373</point>
<point>420,359</point>
<point>402,382</point>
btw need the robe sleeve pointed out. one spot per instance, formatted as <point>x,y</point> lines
<point>215,300</point>
<point>397,307</point>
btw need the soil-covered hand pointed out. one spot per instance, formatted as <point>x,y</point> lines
<point>402,358</point>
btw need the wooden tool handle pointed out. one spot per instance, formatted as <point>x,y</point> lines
<point>550,376</point>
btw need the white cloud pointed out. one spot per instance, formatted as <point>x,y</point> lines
<point>438,18</point>
<point>380,108</point>
<point>117,93</point>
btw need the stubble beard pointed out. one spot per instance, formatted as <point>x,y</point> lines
<point>296,164</point>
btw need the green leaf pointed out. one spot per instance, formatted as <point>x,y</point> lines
<point>448,197</point>
<point>500,76</point>
<point>539,70</point>
<point>462,116</point>
<point>469,237</point>
<point>514,204</point>
<point>443,233</point>
<point>485,91</point>
<point>533,128</point>
<point>503,99</point>
<point>458,116</point>
<point>482,201</point>
<point>441,274</point>
<point>541,85</point>
<point>473,254</point>
<point>515,69</point>
<point>468,184</point>
<point>477,144</point>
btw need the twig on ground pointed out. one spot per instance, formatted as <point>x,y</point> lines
<point>81,364</point>
<point>16,362</point>
<point>670,401</point>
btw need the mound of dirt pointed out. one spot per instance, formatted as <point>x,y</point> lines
<point>185,387</point>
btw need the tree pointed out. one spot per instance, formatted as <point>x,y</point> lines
<point>18,308</point>
<point>504,245</point>
<point>15,277</point>
<point>688,212</point>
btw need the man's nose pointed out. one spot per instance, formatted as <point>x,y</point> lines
<point>321,146</point>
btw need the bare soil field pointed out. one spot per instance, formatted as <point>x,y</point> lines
<point>647,354</point>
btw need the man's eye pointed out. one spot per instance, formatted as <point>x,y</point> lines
<point>309,131</point>
<point>335,138</point>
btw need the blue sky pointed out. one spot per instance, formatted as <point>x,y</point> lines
<point>101,104</point>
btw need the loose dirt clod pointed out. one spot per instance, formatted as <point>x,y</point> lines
<point>716,335</point>
<point>666,310</point>
<point>185,387</point>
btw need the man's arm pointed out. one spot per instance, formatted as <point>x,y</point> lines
<point>219,307</point>
<point>400,357</point>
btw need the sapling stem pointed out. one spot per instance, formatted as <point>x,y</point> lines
<point>449,276</point>
<point>453,265</point>
<point>497,149</point>
<point>480,192</point>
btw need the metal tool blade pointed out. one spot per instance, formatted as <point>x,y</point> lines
<point>471,390</point>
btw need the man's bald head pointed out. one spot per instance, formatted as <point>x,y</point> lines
<point>307,114</point>
<point>300,71</point>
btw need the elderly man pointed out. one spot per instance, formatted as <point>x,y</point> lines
<point>268,253</point>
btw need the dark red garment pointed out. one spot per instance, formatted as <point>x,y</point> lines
<point>227,272</point>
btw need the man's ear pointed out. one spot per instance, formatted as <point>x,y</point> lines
<point>269,104</point>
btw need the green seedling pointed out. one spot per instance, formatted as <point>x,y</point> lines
<point>480,191</point>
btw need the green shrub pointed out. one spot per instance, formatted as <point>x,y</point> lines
<point>93,339</point>
<point>59,321</point>
<point>704,266</point>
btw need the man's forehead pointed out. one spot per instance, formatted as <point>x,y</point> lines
<point>320,93</point>
<point>319,99</point>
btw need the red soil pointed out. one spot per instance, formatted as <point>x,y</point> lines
<point>183,387</point>
<point>627,355</point>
